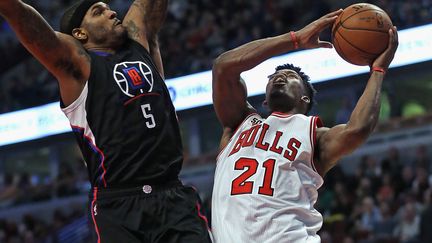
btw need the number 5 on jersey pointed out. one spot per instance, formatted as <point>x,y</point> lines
<point>150,121</point>
<point>240,185</point>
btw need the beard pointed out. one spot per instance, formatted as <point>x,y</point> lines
<point>114,37</point>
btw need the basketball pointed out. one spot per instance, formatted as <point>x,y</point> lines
<point>360,33</point>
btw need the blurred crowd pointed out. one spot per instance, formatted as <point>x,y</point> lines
<point>385,199</point>
<point>194,34</point>
<point>24,188</point>
<point>33,230</point>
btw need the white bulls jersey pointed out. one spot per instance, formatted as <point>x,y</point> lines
<point>266,184</point>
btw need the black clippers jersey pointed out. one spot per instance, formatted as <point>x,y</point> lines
<point>125,122</point>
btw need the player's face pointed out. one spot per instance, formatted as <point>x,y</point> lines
<point>284,90</point>
<point>103,27</point>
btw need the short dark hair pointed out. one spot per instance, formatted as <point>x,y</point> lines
<point>74,15</point>
<point>305,78</point>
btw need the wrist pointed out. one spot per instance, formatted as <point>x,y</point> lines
<point>294,40</point>
<point>378,69</point>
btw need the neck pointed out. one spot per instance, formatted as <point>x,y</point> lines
<point>100,49</point>
<point>287,111</point>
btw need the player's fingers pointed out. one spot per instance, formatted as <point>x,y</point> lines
<point>396,36</point>
<point>393,38</point>
<point>327,22</point>
<point>334,13</point>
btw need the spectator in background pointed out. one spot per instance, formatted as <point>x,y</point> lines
<point>420,183</point>
<point>408,228</point>
<point>391,163</point>
<point>383,228</point>
<point>426,218</point>
<point>422,159</point>
<point>407,178</point>
<point>369,216</point>
<point>9,191</point>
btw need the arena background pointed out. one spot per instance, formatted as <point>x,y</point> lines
<point>381,193</point>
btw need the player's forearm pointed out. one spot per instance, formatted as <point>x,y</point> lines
<point>154,12</point>
<point>365,115</point>
<point>31,28</point>
<point>155,54</point>
<point>253,53</point>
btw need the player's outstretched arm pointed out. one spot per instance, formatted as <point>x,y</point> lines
<point>229,92</point>
<point>63,56</point>
<point>143,22</point>
<point>144,19</point>
<point>342,139</point>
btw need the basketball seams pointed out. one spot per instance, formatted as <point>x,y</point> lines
<point>376,10</point>
<point>341,52</point>
<point>357,48</point>
<point>357,28</point>
<point>341,22</point>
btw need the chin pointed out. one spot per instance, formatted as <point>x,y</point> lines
<point>280,101</point>
<point>120,37</point>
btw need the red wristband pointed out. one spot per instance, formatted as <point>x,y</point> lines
<point>294,39</point>
<point>378,69</point>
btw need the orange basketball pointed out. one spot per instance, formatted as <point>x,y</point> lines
<point>360,33</point>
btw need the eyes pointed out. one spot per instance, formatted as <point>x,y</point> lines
<point>285,75</point>
<point>98,10</point>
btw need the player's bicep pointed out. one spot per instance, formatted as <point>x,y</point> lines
<point>71,66</point>
<point>71,60</point>
<point>229,100</point>
<point>333,143</point>
<point>134,23</point>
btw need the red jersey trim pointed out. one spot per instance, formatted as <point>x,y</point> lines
<point>95,148</point>
<point>235,131</point>
<point>138,96</point>
<point>94,212</point>
<point>314,124</point>
<point>281,114</point>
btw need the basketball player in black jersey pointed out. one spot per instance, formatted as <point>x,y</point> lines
<point>112,90</point>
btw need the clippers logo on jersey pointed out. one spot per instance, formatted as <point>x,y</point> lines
<point>133,78</point>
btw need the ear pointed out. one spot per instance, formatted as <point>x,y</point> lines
<point>79,34</point>
<point>305,99</point>
<point>265,104</point>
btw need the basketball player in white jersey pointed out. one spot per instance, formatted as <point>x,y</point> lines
<point>269,169</point>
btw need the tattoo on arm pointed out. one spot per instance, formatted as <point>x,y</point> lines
<point>69,66</point>
<point>133,30</point>
<point>82,51</point>
<point>154,13</point>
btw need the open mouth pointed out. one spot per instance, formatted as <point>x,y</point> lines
<point>118,22</point>
<point>279,81</point>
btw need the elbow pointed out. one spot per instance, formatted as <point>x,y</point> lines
<point>220,62</point>
<point>221,66</point>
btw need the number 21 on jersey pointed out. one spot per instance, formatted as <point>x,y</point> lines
<point>241,185</point>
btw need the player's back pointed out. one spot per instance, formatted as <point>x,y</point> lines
<point>265,182</point>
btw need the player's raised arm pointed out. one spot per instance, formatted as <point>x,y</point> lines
<point>63,56</point>
<point>342,139</point>
<point>229,92</point>
<point>144,19</point>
